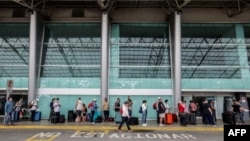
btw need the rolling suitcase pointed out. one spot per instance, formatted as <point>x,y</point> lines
<point>55,117</point>
<point>61,119</point>
<point>97,114</point>
<point>71,116</point>
<point>37,116</point>
<point>98,119</point>
<point>168,118</point>
<point>133,121</point>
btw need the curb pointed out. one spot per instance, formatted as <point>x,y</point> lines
<point>96,128</point>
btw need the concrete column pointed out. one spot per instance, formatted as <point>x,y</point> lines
<point>105,56</point>
<point>175,44</point>
<point>36,34</point>
<point>242,50</point>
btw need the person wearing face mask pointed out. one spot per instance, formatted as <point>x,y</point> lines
<point>8,108</point>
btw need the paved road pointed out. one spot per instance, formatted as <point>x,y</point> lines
<point>108,134</point>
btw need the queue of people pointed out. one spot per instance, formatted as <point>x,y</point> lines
<point>124,111</point>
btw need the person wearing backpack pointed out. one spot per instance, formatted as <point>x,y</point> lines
<point>161,111</point>
<point>144,112</point>
<point>125,116</point>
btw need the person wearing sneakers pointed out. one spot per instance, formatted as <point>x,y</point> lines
<point>125,116</point>
<point>144,112</point>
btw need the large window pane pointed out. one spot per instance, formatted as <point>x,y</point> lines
<point>143,51</point>
<point>14,49</point>
<point>72,50</point>
<point>210,51</point>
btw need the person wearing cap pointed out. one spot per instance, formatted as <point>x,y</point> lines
<point>125,116</point>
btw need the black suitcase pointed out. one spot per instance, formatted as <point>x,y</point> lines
<point>228,117</point>
<point>98,119</point>
<point>61,119</point>
<point>71,117</point>
<point>55,118</point>
<point>133,121</point>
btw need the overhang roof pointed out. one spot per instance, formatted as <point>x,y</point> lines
<point>126,3</point>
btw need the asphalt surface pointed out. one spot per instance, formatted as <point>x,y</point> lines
<point>107,131</point>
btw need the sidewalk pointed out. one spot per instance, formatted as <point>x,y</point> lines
<point>152,126</point>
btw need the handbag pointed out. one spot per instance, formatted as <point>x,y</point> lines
<point>181,114</point>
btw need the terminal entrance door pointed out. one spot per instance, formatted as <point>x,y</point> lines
<point>16,95</point>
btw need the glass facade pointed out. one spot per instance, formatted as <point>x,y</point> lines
<point>140,56</point>
<point>14,54</point>
<point>214,56</point>
<point>71,55</point>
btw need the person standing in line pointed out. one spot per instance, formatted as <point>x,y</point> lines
<point>51,108</point>
<point>93,109</point>
<point>193,110</point>
<point>33,109</point>
<point>8,110</point>
<point>144,113</point>
<point>130,106</point>
<point>213,111</point>
<point>105,107</point>
<point>167,106</point>
<point>125,116</point>
<point>84,112</point>
<point>18,107</point>
<point>57,106</point>
<point>161,110</point>
<point>117,107</point>
<point>181,111</point>
<point>208,114</point>
<point>236,108</point>
<point>78,108</point>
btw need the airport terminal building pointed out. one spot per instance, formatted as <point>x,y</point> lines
<point>173,49</point>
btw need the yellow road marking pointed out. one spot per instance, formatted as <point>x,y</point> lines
<point>63,127</point>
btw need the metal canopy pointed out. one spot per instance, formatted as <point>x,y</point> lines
<point>126,3</point>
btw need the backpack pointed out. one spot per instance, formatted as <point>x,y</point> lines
<point>121,111</point>
<point>90,105</point>
<point>155,105</point>
<point>140,110</point>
